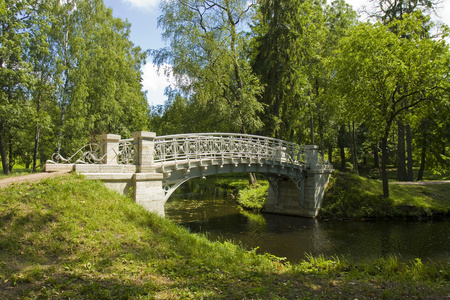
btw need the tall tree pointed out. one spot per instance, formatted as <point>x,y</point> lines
<point>15,16</point>
<point>387,11</point>
<point>292,41</point>
<point>206,49</point>
<point>97,74</point>
<point>280,49</point>
<point>42,91</point>
<point>375,64</point>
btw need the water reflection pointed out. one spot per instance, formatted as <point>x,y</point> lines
<point>292,237</point>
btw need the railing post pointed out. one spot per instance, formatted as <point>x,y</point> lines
<point>312,156</point>
<point>145,148</point>
<point>110,148</point>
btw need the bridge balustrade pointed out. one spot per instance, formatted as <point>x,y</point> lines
<point>226,146</point>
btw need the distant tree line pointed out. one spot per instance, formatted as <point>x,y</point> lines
<point>68,72</point>
<point>310,72</point>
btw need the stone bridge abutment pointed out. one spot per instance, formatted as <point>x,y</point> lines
<point>150,168</point>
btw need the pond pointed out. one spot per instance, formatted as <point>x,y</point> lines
<point>212,212</point>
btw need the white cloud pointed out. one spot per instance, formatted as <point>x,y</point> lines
<point>155,82</point>
<point>143,3</point>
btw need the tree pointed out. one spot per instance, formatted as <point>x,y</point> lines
<point>207,53</point>
<point>293,40</point>
<point>375,64</point>
<point>42,90</point>
<point>15,17</point>
<point>390,10</point>
<point>282,28</point>
<point>96,73</point>
<point>387,11</point>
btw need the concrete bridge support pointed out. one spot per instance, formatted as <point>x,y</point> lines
<point>299,196</point>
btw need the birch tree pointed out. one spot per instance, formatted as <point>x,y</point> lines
<point>207,54</point>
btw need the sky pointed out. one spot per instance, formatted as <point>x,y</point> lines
<point>143,16</point>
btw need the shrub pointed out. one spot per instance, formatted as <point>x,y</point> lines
<point>253,198</point>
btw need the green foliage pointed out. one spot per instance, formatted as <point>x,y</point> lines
<point>253,198</point>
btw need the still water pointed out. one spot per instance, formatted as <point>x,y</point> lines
<point>216,215</point>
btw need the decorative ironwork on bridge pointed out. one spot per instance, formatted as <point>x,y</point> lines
<point>226,146</point>
<point>199,146</point>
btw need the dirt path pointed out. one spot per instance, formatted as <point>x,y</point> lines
<point>31,178</point>
<point>421,182</point>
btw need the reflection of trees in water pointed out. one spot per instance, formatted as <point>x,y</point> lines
<point>256,222</point>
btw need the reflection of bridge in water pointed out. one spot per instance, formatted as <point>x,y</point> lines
<point>152,167</point>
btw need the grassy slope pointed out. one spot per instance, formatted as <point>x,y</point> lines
<point>72,238</point>
<point>352,196</point>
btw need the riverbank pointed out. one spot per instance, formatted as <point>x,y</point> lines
<point>349,196</point>
<point>68,237</point>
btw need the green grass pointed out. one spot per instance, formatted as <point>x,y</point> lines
<point>352,196</point>
<point>71,238</point>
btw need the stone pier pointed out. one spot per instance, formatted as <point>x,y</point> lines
<point>299,196</point>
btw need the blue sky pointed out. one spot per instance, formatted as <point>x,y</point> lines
<point>143,15</point>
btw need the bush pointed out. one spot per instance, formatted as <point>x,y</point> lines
<point>253,198</point>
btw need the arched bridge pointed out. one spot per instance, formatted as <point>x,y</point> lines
<point>153,167</point>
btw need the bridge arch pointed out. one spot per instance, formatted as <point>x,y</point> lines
<point>155,166</point>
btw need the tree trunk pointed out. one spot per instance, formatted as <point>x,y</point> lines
<point>423,153</point>
<point>410,176</point>
<point>252,179</point>
<point>11,157</point>
<point>341,144</point>
<point>36,133</point>
<point>3,151</point>
<point>311,125</point>
<point>342,157</point>
<point>276,112</point>
<point>376,156</point>
<point>353,146</point>
<point>36,147</point>
<point>401,167</point>
<point>330,153</point>
<point>422,162</point>
<point>384,177</point>
<point>322,144</point>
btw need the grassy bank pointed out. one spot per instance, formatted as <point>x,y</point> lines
<point>352,196</point>
<point>70,238</point>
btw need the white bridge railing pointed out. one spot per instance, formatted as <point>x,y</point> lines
<point>226,146</point>
<point>93,154</point>
<point>197,146</point>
